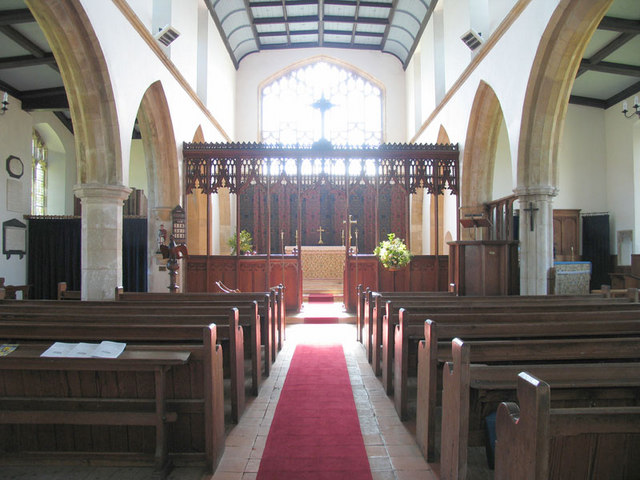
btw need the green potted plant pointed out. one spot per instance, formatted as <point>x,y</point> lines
<point>393,253</point>
<point>246,242</point>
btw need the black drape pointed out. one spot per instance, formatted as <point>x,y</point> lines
<point>596,248</point>
<point>134,255</point>
<point>53,256</point>
<point>55,251</point>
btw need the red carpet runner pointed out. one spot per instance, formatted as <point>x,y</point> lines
<point>320,298</point>
<point>315,434</point>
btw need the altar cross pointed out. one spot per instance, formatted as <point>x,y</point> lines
<point>531,211</point>
<point>323,105</point>
<point>320,230</point>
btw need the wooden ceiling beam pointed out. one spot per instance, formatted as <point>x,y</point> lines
<point>609,67</point>
<point>12,17</point>
<point>49,99</point>
<point>620,25</point>
<point>26,61</point>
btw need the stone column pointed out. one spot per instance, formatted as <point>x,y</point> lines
<point>101,258</point>
<point>158,280</point>
<point>536,238</point>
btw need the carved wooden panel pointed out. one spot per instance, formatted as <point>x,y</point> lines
<point>566,235</point>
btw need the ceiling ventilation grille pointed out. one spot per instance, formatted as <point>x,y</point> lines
<point>167,35</point>
<point>472,39</point>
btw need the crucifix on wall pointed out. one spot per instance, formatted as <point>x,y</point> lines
<point>531,211</point>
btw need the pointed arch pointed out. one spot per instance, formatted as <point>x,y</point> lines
<point>89,89</point>
<point>198,136</point>
<point>443,136</point>
<point>480,148</point>
<point>547,97</point>
<point>161,155</point>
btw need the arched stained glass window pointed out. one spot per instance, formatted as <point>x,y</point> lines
<point>39,180</point>
<point>293,107</point>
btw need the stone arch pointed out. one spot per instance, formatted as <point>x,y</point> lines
<point>88,86</point>
<point>161,160</point>
<point>480,148</point>
<point>545,106</point>
<point>197,213</point>
<point>443,136</point>
<point>198,137</point>
<point>547,97</point>
<point>161,156</point>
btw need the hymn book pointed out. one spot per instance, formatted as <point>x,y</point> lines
<point>104,349</point>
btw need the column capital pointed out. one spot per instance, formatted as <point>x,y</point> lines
<point>100,193</point>
<point>536,190</point>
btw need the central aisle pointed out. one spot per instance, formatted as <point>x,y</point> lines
<point>389,444</point>
<point>315,432</point>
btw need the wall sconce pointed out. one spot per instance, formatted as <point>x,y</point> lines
<point>636,107</point>
<point>5,102</point>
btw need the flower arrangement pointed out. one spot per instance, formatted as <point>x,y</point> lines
<point>246,242</point>
<point>393,253</point>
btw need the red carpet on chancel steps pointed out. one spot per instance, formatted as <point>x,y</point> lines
<point>315,434</point>
<point>320,298</point>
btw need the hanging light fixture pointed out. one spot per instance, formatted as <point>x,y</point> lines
<point>636,107</point>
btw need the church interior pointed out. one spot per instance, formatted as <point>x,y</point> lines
<point>234,193</point>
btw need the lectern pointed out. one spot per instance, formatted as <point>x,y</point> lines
<point>484,267</point>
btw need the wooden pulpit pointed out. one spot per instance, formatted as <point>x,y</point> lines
<point>484,267</point>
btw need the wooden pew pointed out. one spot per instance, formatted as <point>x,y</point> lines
<point>193,391</point>
<point>593,442</point>
<point>512,311</point>
<point>400,299</point>
<point>64,294</point>
<point>265,306</point>
<point>83,411</point>
<point>10,291</point>
<point>135,328</point>
<point>468,389</point>
<point>567,341</point>
<point>178,312</point>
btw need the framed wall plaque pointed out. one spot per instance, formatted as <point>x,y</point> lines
<point>14,238</point>
<point>15,167</point>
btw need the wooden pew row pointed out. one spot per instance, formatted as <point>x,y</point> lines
<point>193,391</point>
<point>537,442</point>
<point>65,294</point>
<point>398,300</point>
<point>168,311</point>
<point>271,307</point>
<point>534,341</point>
<point>469,391</point>
<point>490,313</point>
<point>136,328</point>
<point>79,411</point>
<point>367,301</point>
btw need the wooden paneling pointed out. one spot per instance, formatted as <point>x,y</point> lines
<point>425,273</point>
<point>566,235</point>
<point>247,273</point>
<point>484,267</point>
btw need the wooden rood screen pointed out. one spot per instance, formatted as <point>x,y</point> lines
<point>320,194</point>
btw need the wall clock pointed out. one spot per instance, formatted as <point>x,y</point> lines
<point>15,167</point>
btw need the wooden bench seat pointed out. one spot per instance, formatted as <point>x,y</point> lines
<point>136,328</point>
<point>471,391</point>
<point>531,342</point>
<point>115,393</point>
<point>167,312</point>
<point>270,305</point>
<point>537,442</point>
<point>548,320</point>
<point>65,294</point>
<point>96,411</point>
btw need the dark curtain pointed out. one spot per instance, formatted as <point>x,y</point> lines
<point>134,255</point>
<point>596,248</point>
<point>53,256</point>
<point>55,251</point>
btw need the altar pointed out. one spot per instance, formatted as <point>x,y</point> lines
<point>570,278</point>
<point>321,262</point>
